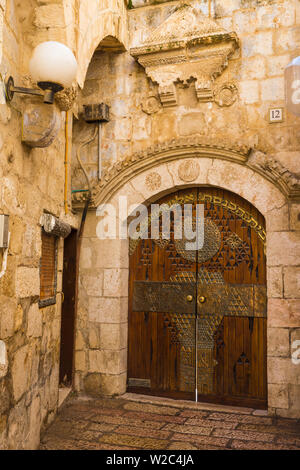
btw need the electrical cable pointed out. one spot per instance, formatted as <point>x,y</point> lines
<point>79,159</point>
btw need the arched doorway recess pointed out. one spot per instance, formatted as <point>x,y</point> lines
<point>150,176</point>
<point>197,318</point>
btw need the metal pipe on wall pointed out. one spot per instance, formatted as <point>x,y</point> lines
<point>66,162</point>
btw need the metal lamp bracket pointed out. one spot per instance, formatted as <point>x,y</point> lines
<point>49,90</point>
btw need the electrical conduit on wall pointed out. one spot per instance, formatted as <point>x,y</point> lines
<point>66,162</point>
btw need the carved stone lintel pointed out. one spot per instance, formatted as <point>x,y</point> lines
<point>193,148</point>
<point>213,146</point>
<point>187,45</point>
<point>55,226</point>
<point>41,124</point>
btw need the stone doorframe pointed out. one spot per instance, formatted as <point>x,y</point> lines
<point>105,262</point>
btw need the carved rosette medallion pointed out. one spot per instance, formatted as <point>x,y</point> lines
<point>151,105</point>
<point>226,94</point>
<point>153,181</point>
<point>188,171</point>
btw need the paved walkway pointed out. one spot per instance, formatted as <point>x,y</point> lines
<point>124,424</point>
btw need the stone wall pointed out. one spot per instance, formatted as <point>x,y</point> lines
<point>269,39</point>
<point>31,182</point>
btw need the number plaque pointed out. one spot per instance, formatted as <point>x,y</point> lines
<point>276,115</point>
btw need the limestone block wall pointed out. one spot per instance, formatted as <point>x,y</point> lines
<point>269,38</point>
<point>31,182</point>
<point>101,341</point>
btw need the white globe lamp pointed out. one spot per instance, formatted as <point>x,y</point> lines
<point>53,66</point>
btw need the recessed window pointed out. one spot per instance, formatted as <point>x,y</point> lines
<point>48,270</point>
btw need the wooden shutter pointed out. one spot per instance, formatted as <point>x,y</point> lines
<point>48,269</point>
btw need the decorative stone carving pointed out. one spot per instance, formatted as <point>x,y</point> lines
<point>151,105</point>
<point>66,98</point>
<point>41,124</point>
<point>216,147</point>
<point>204,90</point>
<point>79,199</point>
<point>187,45</point>
<point>188,171</point>
<point>226,94</point>
<point>55,226</point>
<point>288,182</point>
<point>153,181</point>
<point>167,95</point>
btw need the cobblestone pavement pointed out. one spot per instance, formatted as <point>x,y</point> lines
<point>123,424</point>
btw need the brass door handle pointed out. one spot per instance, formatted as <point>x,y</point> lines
<point>189,298</point>
<point>202,299</point>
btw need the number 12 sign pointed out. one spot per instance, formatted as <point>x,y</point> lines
<point>292,86</point>
<point>276,115</point>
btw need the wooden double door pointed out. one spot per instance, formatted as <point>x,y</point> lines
<point>197,318</point>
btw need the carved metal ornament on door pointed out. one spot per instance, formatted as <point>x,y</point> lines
<point>221,299</point>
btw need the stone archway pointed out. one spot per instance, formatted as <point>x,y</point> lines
<point>97,22</point>
<point>83,27</point>
<point>160,173</point>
